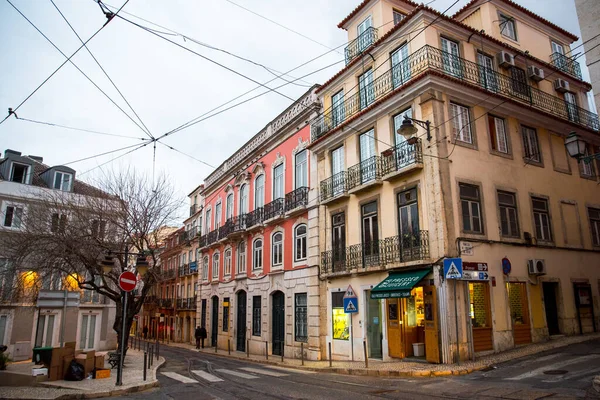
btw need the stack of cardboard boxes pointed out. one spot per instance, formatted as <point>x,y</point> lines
<point>62,357</point>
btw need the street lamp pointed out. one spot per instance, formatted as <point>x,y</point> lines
<point>408,129</point>
<point>577,149</point>
<point>107,264</point>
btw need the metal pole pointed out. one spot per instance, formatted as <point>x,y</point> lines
<point>157,349</point>
<point>267,349</point>
<point>64,319</point>
<point>282,349</point>
<point>365,351</point>
<point>145,364</point>
<point>330,361</point>
<point>456,315</point>
<point>247,348</point>
<point>229,346</point>
<point>302,352</point>
<point>122,349</point>
<point>351,337</point>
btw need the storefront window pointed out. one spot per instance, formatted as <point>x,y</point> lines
<point>516,300</point>
<point>415,310</point>
<point>478,305</point>
<point>341,326</point>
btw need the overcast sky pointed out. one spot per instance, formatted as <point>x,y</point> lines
<point>165,84</point>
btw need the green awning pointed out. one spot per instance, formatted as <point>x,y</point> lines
<point>398,284</point>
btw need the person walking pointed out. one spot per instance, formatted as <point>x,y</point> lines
<point>203,335</point>
<point>145,332</point>
<point>197,334</point>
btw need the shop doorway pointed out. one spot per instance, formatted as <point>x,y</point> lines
<point>215,321</point>
<point>481,316</point>
<point>241,321</point>
<point>519,312</point>
<point>374,334</point>
<point>551,307</point>
<point>406,325</point>
<point>203,313</point>
<point>278,315</point>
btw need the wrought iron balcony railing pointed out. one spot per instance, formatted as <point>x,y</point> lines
<point>193,209</point>
<point>202,241</point>
<point>364,172</point>
<point>360,44</point>
<point>379,253</point>
<point>566,64</point>
<point>166,303</point>
<point>151,300</point>
<point>296,198</point>
<point>428,59</point>
<point>168,274</point>
<point>334,186</point>
<point>223,231</point>
<point>274,209</point>
<point>255,217</point>
<point>401,156</point>
<point>212,237</point>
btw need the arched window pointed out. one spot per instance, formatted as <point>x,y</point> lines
<point>205,268</point>
<point>215,267</point>
<point>229,206</point>
<point>277,249</point>
<point>241,257</point>
<point>243,199</point>
<point>300,234</point>
<point>257,254</point>
<point>227,263</point>
<point>259,191</point>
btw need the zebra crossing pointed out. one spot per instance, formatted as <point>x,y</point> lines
<point>243,373</point>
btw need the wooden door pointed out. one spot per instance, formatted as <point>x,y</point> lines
<point>519,311</point>
<point>394,325</point>
<point>481,316</point>
<point>432,346</point>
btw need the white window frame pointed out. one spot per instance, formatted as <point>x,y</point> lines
<point>530,140</point>
<point>501,142</point>
<point>229,207</point>
<point>298,239</point>
<point>216,261</point>
<point>243,205</point>
<point>259,191</point>
<point>218,212</point>
<point>461,123</point>
<point>26,176</point>
<point>278,181</point>
<point>301,170</point>
<point>508,29</point>
<point>97,324</point>
<point>15,206</point>
<point>205,262</point>
<point>241,258</point>
<point>227,262</point>
<point>538,216</point>
<point>277,250</point>
<point>257,254</point>
<point>65,185</point>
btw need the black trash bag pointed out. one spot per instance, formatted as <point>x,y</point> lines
<point>75,372</point>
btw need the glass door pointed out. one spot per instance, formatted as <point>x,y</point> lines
<point>487,74</point>
<point>400,66</point>
<point>45,331</point>
<point>404,152</point>
<point>451,57</point>
<point>337,167</point>
<point>408,224</point>
<point>337,108</point>
<point>370,234</point>
<point>87,333</point>
<point>363,37</point>
<point>368,167</point>
<point>365,88</point>
<point>338,242</point>
<point>571,103</point>
<point>374,332</point>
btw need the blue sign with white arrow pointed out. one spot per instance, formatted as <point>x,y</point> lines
<point>350,305</point>
<point>453,268</point>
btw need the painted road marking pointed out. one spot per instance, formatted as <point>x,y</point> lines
<point>206,376</point>
<point>299,371</point>
<point>236,373</point>
<point>178,377</point>
<point>263,371</point>
<point>557,365</point>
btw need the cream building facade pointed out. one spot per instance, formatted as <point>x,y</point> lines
<point>492,183</point>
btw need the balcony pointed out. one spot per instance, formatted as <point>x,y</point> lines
<point>429,59</point>
<point>566,65</point>
<point>167,275</point>
<point>202,241</point>
<point>223,232</point>
<point>360,44</point>
<point>296,201</point>
<point>193,209</point>
<point>212,237</point>
<point>236,225</point>
<point>401,158</point>
<point>165,303</point>
<point>334,188</point>
<point>254,219</point>
<point>385,253</point>
<point>274,211</point>
<point>364,175</point>
<point>151,300</point>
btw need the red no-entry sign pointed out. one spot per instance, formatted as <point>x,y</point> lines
<point>127,281</point>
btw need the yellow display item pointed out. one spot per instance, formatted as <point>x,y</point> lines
<point>341,327</point>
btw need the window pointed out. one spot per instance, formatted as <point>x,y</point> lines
<point>338,113</point>
<point>256,313</point>
<point>3,323</point>
<point>227,263</point>
<point>277,249</point>
<point>398,16</point>
<point>301,318</point>
<point>200,226</point>
<point>530,144</point>
<point>471,208</point>
<point>301,169</point>
<point>487,75</point>
<point>341,326</point>
<point>461,126</point>
<point>594,214</point>
<point>243,199</point>
<point>205,268</point>
<point>365,39</point>
<point>367,156</point>
<point>208,217</point>
<point>370,232</point>
<point>62,181</point>
<point>400,66</point>
<point>19,173</point>
<point>218,215</point>
<point>451,57</point>
<point>365,89</point>
<point>557,48</point>
<point>507,27</point>
<point>259,191</point>
<point>59,223</point>
<point>229,206</point>
<point>587,168</point>
<point>498,134</point>
<point>338,240</point>
<point>278,182</point>
<point>215,267</point>
<point>225,314</point>
<point>300,242</point>
<point>257,254</point>
<point>241,254</point>
<point>541,218</point>
<point>572,109</point>
<point>509,222</point>
<point>337,167</point>
<point>13,217</point>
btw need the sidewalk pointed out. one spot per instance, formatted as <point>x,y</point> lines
<point>401,368</point>
<point>92,388</point>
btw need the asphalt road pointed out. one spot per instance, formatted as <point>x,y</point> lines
<point>558,374</point>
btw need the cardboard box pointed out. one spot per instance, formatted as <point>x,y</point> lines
<point>102,374</point>
<point>55,374</point>
<point>39,371</point>
<point>70,345</point>
<point>87,360</point>
<point>99,361</point>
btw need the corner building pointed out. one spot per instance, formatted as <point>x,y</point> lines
<point>258,272</point>
<point>492,183</point>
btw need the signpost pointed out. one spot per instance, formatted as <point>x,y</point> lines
<point>351,307</point>
<point>127,282</point>
<point>453,269</point>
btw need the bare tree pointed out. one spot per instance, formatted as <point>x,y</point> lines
<point>65,236</point>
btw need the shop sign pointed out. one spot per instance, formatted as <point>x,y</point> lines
<point>475,266</point>
<point>475,276</point>
<point>390,295</point>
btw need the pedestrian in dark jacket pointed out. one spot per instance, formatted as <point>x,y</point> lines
<point>203,335</point>
<point>197,335</point>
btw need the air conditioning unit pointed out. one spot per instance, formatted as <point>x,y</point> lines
<point>505,60</point>
<point>535,73</point>
<point>560,85</point>
<point>536,267</point>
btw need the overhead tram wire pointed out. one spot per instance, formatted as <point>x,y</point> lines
<point>108,152</point>
<point>72,63</point>
<point>79,129</point>
<point>103,70</point>
<point>187,155</point>
<point>116,158</point>
<point>13,111</point>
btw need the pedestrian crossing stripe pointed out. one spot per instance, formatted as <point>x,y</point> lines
<point>263,372</point>
<point>206,376</point>
<point>236,373</point>
<point>453,272</point>
<point>179,377</point>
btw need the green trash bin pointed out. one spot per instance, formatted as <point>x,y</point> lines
<point>42,355</point>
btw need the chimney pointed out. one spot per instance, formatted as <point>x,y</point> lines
<point>13,152</point>
<point>37,158</point>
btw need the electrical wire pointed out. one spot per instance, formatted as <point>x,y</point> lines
<point>13,111</point>
<point>116,158</point>
<point>103,70</point>
<point>79,129</point>
<point>107,152</point>
<point>187,155</point>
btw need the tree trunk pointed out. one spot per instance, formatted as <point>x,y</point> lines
<point>118,325</point>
